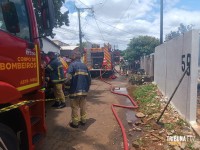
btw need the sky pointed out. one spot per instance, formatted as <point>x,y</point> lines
<point>117,21</point>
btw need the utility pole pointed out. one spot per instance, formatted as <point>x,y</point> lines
<point>161,21</point>
<point>80,32</point>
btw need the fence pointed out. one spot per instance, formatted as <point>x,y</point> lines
<point>147,63</point>
<point>171,59</point>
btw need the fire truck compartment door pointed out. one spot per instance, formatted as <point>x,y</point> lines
<point>8,93</point>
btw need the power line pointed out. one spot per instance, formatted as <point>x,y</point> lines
<point>96,26</point>
<point>103,3</point>
<point>79,22</point>
<point>117,41</point>
<point>85,33</point>
<point>87,40</point>
<point>103,37</point>
<point>113,26</point>
<point>99,28</point>
<point>123,14</point>
<point>104,22</point>
<point>85,23</point>
<point>114,37</point>
<point>101,33</point>
<point>73,37</point>
<point>110,26</point>
<point>83,3</point>
<point>69,30</point>
<point>87,36</point>
<point>92,6</point>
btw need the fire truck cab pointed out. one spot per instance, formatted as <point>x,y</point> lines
<point>21,73</point>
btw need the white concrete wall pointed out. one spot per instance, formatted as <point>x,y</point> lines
<point>151,65</point>
<point>142,62</point>
<point>49,47</point>
<point>147,63</point>
<point>168,72</point>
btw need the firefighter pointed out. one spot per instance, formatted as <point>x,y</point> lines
<point>56,76</point>
<point>122,66</point>
<point>126,67</point>
<point>80,81</point>
<point>44,59</point>
<point>65,67</point>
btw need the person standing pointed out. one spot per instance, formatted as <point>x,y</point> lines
<point>56,76</point>
<point>80,80</point>
<point>126,67</point>
<point>122,66</point>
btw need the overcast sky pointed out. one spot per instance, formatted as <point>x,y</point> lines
<point>118,21</point>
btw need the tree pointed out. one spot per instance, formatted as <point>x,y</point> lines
<point>122,53</point>
<point>60,19</point>
<point>84,44</point>
<point>140,46</point>
<point>181,30</point>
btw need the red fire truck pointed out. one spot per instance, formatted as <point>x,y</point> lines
<point>21,73</point>
<point>97,59</point>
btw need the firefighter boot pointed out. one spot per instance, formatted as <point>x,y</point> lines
<point>73,125</point>
<point>82,123</point>
<point>56,104</point>
<point>61,105</point>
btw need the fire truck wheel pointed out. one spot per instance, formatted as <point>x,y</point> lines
<point>8,139</point>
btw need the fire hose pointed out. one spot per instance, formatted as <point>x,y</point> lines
<point>125,141</point>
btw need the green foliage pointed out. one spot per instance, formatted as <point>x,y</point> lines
<point>140,46</point>
<point>190,146</point>
<point>180,122</point>
<point>181,29</point>
<point>60,19</point>
<point>169,126</point>
<point>137,79</point>
<point>122,53</point>
<point>145,95</point>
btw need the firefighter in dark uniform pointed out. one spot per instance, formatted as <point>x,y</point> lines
<point>80,81</point>
<point>56,76</point>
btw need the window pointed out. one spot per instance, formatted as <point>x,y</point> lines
<point>14,18</point>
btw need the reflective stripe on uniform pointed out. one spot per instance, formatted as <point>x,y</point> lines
<point>81,73</point>
<point>75,120</point>
<point>79,94</point>
<point>58,81</point>
<point>67,87</point>
<point>83,118</point>
<point>59,75</point>
<point>50,67</point>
